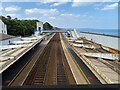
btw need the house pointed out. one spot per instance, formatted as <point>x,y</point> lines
<point>3,28</point>
<point>6,39</point>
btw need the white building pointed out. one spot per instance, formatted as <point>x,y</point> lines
<point>6,39</point>
<point>103,39</point>
<point>39,28</point>
<point>39,25</point>
<point>3,28</point>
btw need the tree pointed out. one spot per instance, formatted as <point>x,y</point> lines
<point>9,17</point>
<point>19,27</point>
<point>15,18</point>
<point>47,26</point>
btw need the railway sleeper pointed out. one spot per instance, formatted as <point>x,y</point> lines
<point>63,77</point>
<point>62,81</point>
<point>39,77</point>
<point>60,75</point>
<point>39,80</point>
<point>40,73</point>
<point>38,83</point>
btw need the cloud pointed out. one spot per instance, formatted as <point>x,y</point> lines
<point>30,18</point>
<point>70,15</point>
<point>12,9</point>
<point>110,7</point>
<point>65,14</point>
<point>78,4</point>
<point>54,1</point>
<point>1,8</point>
<point>45,12</point>
<point>110,0</point>
<point>75,3</point>
<point>50,1</point>
<point>19,0</point>
<point>13,15</point>
<point>57,4</point>
<point>52,17</point>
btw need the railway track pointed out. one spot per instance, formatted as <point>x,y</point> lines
<point>51,67</point>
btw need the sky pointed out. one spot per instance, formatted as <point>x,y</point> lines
<point>65,14</point>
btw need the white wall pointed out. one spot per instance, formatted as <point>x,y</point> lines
<point>107,41</point>
<point>3,28</point>
<point>39,24</point>
<point>6,41</point>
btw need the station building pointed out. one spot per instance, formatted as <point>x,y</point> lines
<point>39,28</point>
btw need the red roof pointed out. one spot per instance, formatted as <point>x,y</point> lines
<point>5,36</point>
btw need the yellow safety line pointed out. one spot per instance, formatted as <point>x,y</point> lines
<point>81,71</point>
<point>79,68</point>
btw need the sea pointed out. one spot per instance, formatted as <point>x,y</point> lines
<point>114,32</point>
